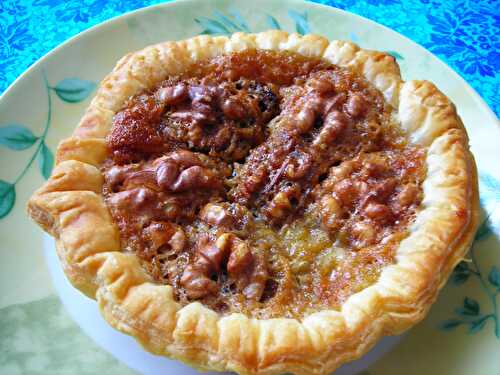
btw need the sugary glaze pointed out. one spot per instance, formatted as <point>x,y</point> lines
<point>261,182</point>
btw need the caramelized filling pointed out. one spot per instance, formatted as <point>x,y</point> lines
<point>264,183</point>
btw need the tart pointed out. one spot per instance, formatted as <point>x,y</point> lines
<point>266,203</point>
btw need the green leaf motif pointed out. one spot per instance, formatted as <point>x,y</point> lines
<point>223,19</point>
<point>494,277</point>
<point>212,27</point>
<point>301,23</point>
<point>460,274</point>
<point>222,24</point>
<point>73,90</point>
<point>16,137</point>
<point>272,22</point>
<point>490,182</point>
<point>471,307</point>
<point>489,187</point>
<point>240,20</point>
<point>396,55</point>
<point>485,229</point>
<point>477,325</point>
<point>7,198</point>
<point>450,324</point>
<point>465,312</point>
<point>459,278</point>
<point>45,161</point>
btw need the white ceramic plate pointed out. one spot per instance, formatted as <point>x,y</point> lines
<point>461,334</point>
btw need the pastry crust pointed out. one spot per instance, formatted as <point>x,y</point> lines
<point>71,208</point>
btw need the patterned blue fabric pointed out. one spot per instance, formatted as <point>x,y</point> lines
<point>464,33</point>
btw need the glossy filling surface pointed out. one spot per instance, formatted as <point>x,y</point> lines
<point>264,183</point>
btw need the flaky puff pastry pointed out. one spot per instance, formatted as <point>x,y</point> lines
<point>70,206</point>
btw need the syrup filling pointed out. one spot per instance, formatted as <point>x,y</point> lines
<point>264,183</point>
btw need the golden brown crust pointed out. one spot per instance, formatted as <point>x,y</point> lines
<point>69,206</point>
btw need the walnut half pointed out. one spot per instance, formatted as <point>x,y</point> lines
<point>246,268</point>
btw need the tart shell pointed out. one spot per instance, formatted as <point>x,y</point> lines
<point>70,207</point>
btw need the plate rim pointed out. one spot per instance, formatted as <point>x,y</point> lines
<point>471,94</point>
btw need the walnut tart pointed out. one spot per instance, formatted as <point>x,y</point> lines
<point>265,203</point>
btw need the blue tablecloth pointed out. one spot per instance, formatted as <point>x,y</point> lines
<point>464,33</point>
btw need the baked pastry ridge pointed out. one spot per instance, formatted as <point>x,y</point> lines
<point>77,206</point>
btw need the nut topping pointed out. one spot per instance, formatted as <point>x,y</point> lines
<point>264,183</point>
